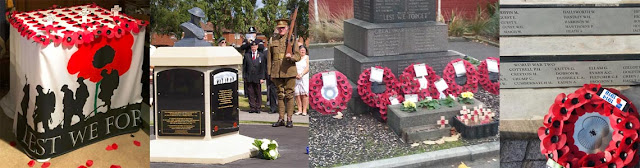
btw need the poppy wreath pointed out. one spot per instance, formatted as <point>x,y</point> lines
<point>323,105</point>
<point>449,76</point>
<point>408,84</point>
<point>483,74</point>
<point>378,100</point>
<point>29,25</point>
<point>556,135</point>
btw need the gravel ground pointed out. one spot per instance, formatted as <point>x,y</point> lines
<point>359,137</point>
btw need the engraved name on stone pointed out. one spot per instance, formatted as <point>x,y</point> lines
<point>569,21</point>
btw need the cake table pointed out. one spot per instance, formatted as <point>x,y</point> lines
<point>75,77</point>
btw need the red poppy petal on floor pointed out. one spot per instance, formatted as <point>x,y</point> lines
<point>12,143</point>
<point>114,146</point>
<point>109,148</point>
<point>137,143</point>
<point>31,163</point>
<point>45,165</point>
<point>116,166</point>
<point>89,163</point>
<point>82,166</point>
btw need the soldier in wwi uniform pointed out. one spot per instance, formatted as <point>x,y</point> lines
<point>281,66</point>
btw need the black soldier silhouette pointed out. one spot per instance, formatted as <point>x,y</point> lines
<point>109,83</point>
<point>74,106</point>
<point>25,100</point>
<point>45,105</point>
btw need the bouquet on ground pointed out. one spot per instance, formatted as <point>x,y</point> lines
<point>268,148</point>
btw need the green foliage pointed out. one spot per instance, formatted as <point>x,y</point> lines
<point>457,25</point>
<point>472,60</point>
<point>478,23</point>
<point>232,15</point>
<point>429,104</point>
<point>492,28</point>
<point>465,100</point>
<point>449,102</point>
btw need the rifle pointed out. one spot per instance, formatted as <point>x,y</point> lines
<point>290,48</point>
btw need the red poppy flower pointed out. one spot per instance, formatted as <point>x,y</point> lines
<point>68,40</point>
<point>137,143</point>
<point>126,25</point>
<point>104,54</point>
<point>87,36</point>
<point>118,31</point>
<point>44,40</point>
<point>56,40</point>
<point>77,38</point>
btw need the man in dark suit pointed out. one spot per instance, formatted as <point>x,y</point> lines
<point>254,71</point>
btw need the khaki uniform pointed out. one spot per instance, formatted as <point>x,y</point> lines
<point>283,73</point>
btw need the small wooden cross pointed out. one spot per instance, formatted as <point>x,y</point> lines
<point>476,118</point>
<point>84,14</point>
<point>115,11</point>
<point>442,122</point>
<point>463,112</point>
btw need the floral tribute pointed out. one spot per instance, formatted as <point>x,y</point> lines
<point>558,144</point>
<point>410,84</point>
<point>379,100</point>
<point>449,76</point>
<point>483,75</point>
<point>329,103</point>
<point>268,148</point>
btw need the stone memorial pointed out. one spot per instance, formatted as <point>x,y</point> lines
<point>392,34</point>
<point>196,109</point>
<point>551,47</point>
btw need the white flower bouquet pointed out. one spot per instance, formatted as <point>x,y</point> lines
<point>268,148</point>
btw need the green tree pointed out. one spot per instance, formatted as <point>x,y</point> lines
<point>267,15</point>
<point>233,15</point>
<point>302,20</point>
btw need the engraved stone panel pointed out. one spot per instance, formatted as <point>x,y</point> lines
<point>384,39</point>
<point>526,20</point>
<point>394,11</point>
<point>568,73</point>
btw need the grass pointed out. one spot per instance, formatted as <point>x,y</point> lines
<point>329,27</point>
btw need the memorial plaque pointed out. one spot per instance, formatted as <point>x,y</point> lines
<point>531,20</point>
<point>394,11</point>
<point>180,95</point>
<point>395,39</point>
<point>224,101</point>
<point>185,123</point>
<point>568,73</point>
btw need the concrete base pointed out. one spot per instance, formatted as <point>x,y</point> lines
<point>219,150</point>
<point>351,63</point>
<point>426,132</point>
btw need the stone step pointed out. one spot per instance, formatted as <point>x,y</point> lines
<point>384,39</point>
<point>351,63</point>
<point>399,120</point>
<point>424,132</point>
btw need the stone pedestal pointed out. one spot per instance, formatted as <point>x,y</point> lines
<point>196,106</point>
<point>422,124</point>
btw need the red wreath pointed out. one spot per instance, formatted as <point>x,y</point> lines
<point>81,62</point>
<point>324,106</point>
<point>449,75</point>
<point>408,84</point>
<point>556,135</point>
<point>381,100</point>
<point>483,73</point>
